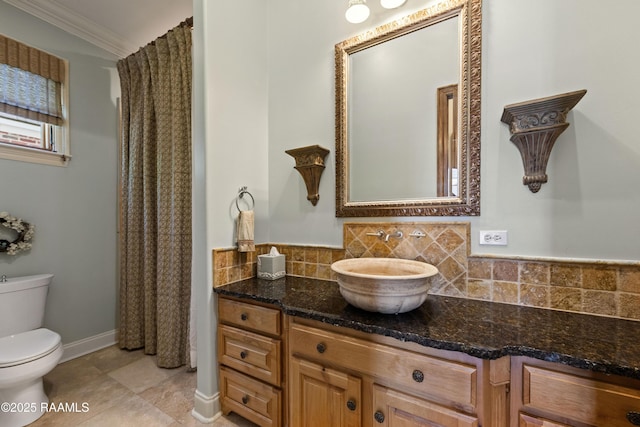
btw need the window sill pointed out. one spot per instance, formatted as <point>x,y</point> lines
<point>31,155</point>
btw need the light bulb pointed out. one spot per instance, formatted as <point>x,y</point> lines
<point>391,4</point>
<point>357,12</point>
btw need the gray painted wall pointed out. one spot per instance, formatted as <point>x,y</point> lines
<point>588,208</point>
<point>74,208</point>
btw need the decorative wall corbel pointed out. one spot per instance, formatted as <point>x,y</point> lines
<point>535,125</point>
<point>310,164</point>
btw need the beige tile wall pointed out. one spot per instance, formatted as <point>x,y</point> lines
<point>603,288</point>
<point>305,261</point>
<point>611,289</point>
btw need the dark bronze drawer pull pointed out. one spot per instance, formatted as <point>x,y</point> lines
<point>379,417</point>
<point>243,354</point>
<point>633,417</point>
<point>417,376</point>
<point>351,404</point>
<point>321,347</point>
<point>244,316</point>
<point>245,399</point>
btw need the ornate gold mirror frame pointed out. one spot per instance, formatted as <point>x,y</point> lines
<point>467,203</point>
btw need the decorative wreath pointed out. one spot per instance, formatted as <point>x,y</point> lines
<point>25,234</point>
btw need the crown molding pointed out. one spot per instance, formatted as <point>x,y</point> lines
<point>73,23</point>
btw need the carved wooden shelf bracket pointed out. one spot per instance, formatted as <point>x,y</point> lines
<point>310,164</point>
<point>535,125</point>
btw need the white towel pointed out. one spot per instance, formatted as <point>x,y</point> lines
<point>245,232</point>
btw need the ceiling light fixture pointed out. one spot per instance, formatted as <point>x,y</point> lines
<point>357,12</point>
<point>391,4</point>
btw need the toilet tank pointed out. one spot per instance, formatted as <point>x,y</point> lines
<point>22,301</point>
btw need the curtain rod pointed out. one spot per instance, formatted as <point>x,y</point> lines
<point>186,23</point>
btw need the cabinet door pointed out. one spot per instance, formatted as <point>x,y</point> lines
<point>395,409</point>
<point>322,397</point>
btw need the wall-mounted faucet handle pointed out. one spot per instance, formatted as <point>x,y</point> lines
<point>379,233</point>
<point>417,234</point>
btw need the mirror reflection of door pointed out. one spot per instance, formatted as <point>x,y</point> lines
<point>448,141</point>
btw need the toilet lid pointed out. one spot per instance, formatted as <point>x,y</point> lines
<point>27,346</point>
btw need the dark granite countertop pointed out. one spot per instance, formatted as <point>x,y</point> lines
<point>482,329</point>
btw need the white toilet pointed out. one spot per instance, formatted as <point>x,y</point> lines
<point>27,350</point>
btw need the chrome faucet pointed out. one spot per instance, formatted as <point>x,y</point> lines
<point>398,235</point>
<point>3,278</point>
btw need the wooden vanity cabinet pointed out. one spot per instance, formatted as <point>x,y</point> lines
<point>341,377</point>
<point>335,376</point>
<point>250,361</point>
<point>278,370</point>
<point>554,395</point>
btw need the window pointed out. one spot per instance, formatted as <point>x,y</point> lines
<point>33,105</point>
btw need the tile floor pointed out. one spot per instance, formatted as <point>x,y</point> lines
<point>123,388</point>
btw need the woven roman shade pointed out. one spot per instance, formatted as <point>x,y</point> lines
<point>30,82</point>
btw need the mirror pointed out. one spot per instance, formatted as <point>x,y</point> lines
<point>408,115</point>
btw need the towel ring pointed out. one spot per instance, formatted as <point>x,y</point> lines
<point>241,194</point>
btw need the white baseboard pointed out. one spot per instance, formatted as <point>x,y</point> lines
<point>88,345</point>
<point>206,409</point>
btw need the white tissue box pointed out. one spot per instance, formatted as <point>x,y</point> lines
<point>271,267</point>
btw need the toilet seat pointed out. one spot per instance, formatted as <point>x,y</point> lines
<point>27,346</point>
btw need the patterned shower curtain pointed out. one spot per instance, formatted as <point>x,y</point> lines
<point>155,174</point>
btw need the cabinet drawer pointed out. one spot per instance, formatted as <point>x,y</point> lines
<point>249,398</point>
<point>557,392</point>
<point>249,316</point>
<point>527,421</point>
<point>250,353</point>
<point>394,408</point>
<point>452,383</point>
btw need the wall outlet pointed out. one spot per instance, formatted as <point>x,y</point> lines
<point>493,237</point>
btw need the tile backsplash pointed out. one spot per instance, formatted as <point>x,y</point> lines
<point>611,289</point>
<point>305,261</point>
<point>603,288</point>
<point>445,245</point>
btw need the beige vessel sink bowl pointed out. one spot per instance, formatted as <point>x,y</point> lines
<point>384,285</point>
